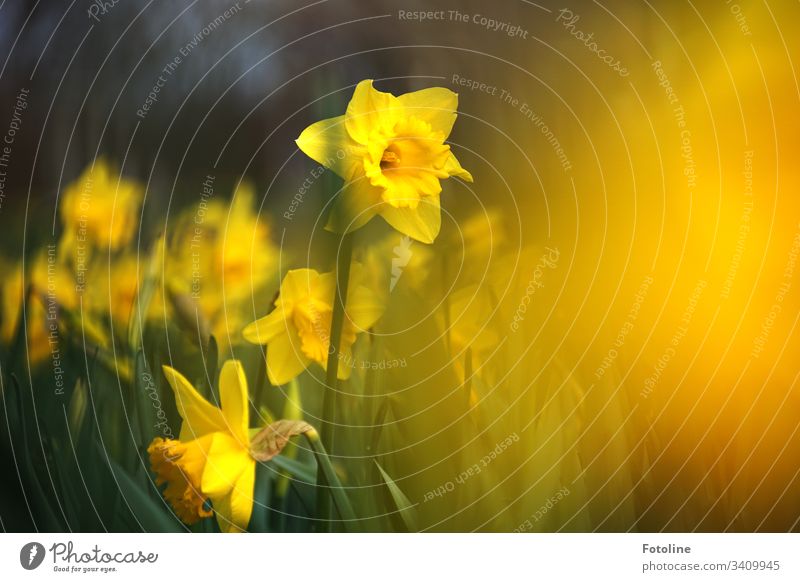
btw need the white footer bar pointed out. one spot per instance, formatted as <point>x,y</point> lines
<point>406,558</point>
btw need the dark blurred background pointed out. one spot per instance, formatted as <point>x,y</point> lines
<point>234,104</point>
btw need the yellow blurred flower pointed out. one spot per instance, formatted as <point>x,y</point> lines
<point>36,332</point>
<point>297,331</point>
<point>114,288</point>
<point>482,235</point>
<point>220,256</point>
<point>211,459</point>
<point>392,155</point>
<point>399,262</point>
<point>52,288</point>
<point>99,210</point>
<point>473,339</point>
<point>471,326</point>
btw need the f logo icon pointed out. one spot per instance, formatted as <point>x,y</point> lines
<point>31,555</point>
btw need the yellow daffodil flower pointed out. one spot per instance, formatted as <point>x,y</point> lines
<point>220,256</point>
<point>36,333</point>
<point>211,460</point>
<point>392,154</point>
<point>113,288</point>
<point>99,210</point>
<point>482,235</point>
<point>215,455</point>
<point>297,331</point>
<point>52,288</point>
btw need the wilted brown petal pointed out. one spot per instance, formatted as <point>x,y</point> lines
<point>272,439</point>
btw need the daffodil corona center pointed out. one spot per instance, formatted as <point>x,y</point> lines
<point>408,164</point>
<point>389,160</point>
<point>312,319</point>
<point>179,466</point>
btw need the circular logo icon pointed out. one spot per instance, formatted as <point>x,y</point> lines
<point>31,555</point>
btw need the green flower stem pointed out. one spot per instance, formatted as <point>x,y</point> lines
<point>261,380</point>
<point>327,432</point>
<point>446,302</point>
<point>331,485</point>
<point>337,322</point>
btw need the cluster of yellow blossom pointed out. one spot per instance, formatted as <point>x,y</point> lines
<point>216,258</point>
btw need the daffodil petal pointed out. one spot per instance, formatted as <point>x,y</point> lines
<point>222,509</point>
<point>324,288</point>
<point>234,398</point>
<point>436,105</point>
<point>263,330</point>
<point>370,111</point>
<point>226,461</point>
<point>235,509</point>
<point>285,360</point>
<point>199,416</point>
<point>328,143</point>
<point>355,205</point>
<point>345,366</point>
<point>296,284</point>
<point>406,188</point>
<point>421,223</point>
<point>453,167</point>
<point>242,497</point>
<point>364,307</point>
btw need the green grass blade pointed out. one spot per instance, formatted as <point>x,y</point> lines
<point>332,483</point>
<point>405,509</point>
<point>301,471</point>
<point>151,517</point>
